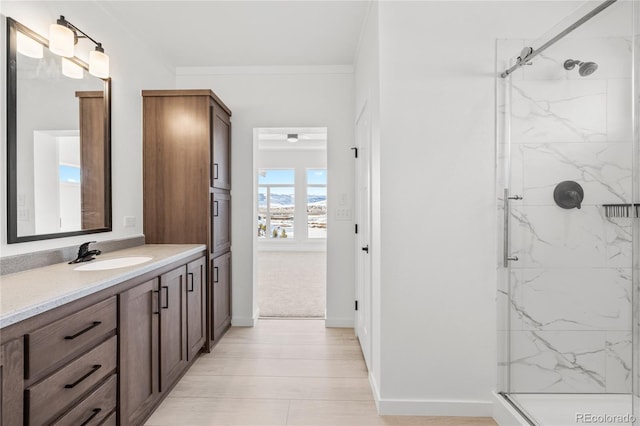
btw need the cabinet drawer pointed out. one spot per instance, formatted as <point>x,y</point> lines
<point>110,421</point>
<point>54,394</point>
<point>69,336</point>
<point>94,408</point>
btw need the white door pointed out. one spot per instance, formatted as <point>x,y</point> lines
<point>363,221</point>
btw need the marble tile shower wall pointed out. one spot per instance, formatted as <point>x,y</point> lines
<point>570,292</point>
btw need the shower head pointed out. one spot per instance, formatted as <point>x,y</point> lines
<point>584,68</point>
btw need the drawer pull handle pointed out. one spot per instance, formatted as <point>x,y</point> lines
<point>77,382</point>
<point>96,411</point>
<point>190,274</point>
<point>166,300</point>
<point>81,332</point>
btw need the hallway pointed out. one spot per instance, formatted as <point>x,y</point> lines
<point>283,373</point>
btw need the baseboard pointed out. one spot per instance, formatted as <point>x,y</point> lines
<point>504,414</point>
<point>375,390</point>
<point>245,321</point>
<point>338,322</point>
<point>428,407</point>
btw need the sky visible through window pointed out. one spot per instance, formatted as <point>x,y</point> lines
<point>316,176</point>
<point>69,174</point>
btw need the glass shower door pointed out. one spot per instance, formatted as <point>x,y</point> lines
<point>565,156</point>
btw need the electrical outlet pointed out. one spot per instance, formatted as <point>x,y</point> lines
<point>129,221</point>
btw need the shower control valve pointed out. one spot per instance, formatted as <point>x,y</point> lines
<point>515,197</point>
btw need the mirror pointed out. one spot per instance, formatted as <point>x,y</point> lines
<point>58,143</point>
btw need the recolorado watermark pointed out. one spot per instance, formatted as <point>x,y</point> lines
<point>604,419</point>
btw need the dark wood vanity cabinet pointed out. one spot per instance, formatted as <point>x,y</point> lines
<point>11,383</point>
<point>173,326</point>
<point>196,307</point>
<point>187,183</point>
<point>221,283</point>
<point>162,330</point>
<point>108,358</point>
<point>139,352</point>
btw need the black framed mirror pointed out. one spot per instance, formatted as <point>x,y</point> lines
<point>58,142</point>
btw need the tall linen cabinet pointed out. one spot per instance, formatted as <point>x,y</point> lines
<point>187,186</point>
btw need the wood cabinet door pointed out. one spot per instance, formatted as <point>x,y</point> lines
<point>139,373</point>
<point>221,148</point>
<point>11,383</point>
<point>221,303</point>
<point>173,326</point>
<point>196,306</point>
<point>221,222</point>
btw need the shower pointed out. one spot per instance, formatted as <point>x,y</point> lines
<point>567,186</point>
<point>584,68</point>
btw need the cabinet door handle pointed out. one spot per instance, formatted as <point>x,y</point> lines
<point>215,170</point>
<point>166,299</point>
<point>215,274</point>
<point>77,382</point>
<point>96,411</point>
<point>81,332</point>
<point>190,274</point>
<point>215,208</point>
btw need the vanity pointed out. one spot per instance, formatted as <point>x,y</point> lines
<point>100,346</point>
<point>103,342</point>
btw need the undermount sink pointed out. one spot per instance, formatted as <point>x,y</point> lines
<point>118,262</point>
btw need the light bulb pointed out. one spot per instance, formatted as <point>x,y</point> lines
<point>71,69</point>
<point>292,137</point>
<point>99,63</point>
<point>61,40</point>
<point>28,46</point>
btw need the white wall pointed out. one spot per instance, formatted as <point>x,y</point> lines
<point>133,68</point>
<point>286,97</point>
<point>435,184</point>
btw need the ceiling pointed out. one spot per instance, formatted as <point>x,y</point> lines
<point>245,33</point>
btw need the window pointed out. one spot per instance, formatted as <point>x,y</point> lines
<point>276,203</point>
<point>317,203</point>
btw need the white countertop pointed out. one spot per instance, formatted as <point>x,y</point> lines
<point>29,293</point>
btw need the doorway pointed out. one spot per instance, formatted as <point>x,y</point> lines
<point>291,229</point>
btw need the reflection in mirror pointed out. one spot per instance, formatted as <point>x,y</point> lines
<point>58,143</point>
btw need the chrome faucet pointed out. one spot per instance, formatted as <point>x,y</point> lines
<point>84,254</point>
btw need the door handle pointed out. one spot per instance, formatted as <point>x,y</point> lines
<point>166,300</point>
<point>505,232</point>
<point>366,249</point>
<point>190,275</point>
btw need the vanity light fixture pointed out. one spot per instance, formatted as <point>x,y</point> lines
<point>28,46</point>
<point>63,36</point>
<point>71,69</point>
<point>292,137</point>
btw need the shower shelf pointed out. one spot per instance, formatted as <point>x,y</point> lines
<point>621,210</point>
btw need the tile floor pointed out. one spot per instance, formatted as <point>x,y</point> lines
<point>283,373</point>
